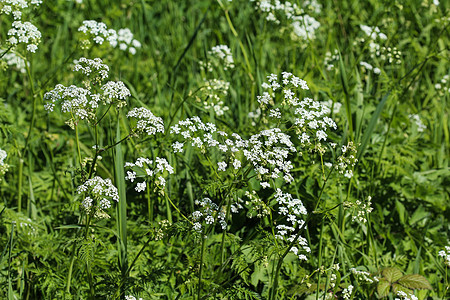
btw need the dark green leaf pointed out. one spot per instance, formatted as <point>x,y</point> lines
<point>383,288</point>
<point>415,281</point>
<point>392,274</point>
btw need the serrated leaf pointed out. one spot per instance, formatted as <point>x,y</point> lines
<point>415,282</point>
<point>391,274</point>
<point>383,288</point>
<point>397,288</point>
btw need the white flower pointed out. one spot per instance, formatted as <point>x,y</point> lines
<point>221,166</point>
<point>147,122</point>
<point>100,33</point>
<point>100,190</point>
<point>3,155</point>
<point>140,187</point>
<point>24,32</point>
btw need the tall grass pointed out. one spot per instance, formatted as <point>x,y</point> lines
<point>379,229</point>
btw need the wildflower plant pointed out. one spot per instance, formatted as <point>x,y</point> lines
<point>84,103</point>
<point>98,193</point>
<point>98,33</point>
<point>233,158</point>
<point>301,25</point>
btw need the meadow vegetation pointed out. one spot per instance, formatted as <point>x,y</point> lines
<point>224,149</point>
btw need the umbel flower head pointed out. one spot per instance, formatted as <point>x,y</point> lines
<point>99,32</point>
<point>82,103</point>
<point>98,195</point>
<point>24,33</point>
<point>147,168</point>
<point>146,121</point>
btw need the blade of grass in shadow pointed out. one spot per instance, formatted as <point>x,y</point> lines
<point>10,289</point>
<point>190,43</point>
<point>371,126</point>
<point>122,206</point>
<point>344,82</point>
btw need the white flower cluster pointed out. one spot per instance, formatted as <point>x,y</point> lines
<point>347,292</point>
<point>369,67</point>
<point>15,7</point>
<point>332,106</point>
<point>313,5</point>
<point>144,167</point>
<point>445,254</point>
<point>389,54</point>
<point>363,276</point>
<point>92,68</point>
<point>330,58</point>
<point>416,119</point>
<point>292,208</point>
<point>99,32</point>
<point>224,55</point>
<point>161,232</point>
<point>215,90</point>
<point>146,122</point>
<point>303,25</point>
<point>12,59</point>
<point>441,85</point>
<point>98,192</point>
<point>256,206</point>
<point>26,33</point>
<point>3,166</point>
<point>275,8</point>
<point>405,296</point>
<point>373,32</point>
<point>361,210</point>
<point>311,117</point>
<point>347,160</point>
<point>82,103</point>
<point>267,151</point>
<point>210,213</point>
<point>75,100</point>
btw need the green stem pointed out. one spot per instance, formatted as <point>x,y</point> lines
<point>69,275</point>
<point>19,197</point>
<point>241,45</point>
<point>176,208</point>
<point>201,268</point>
<point>33,112</point>
<point>320,259</point>
<point>149,203</point>
<point>77,140</point>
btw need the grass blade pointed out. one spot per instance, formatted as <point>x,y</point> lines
<point>122,206</point>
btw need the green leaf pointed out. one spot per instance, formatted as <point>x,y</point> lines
<point>415,282</point>
<point>383,288</point>
<point>391,274</point>
<point>401,211</point>
<point>370,128</point>
<point>418,215</point>
<point>397,288</point>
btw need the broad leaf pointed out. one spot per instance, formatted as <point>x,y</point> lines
<point>397,288</point>
<point>391,274</point>
<point>383,288</point>
<point>415,281</point>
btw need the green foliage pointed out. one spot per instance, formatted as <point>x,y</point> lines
<point>388,97</point>
<point>393,278</point>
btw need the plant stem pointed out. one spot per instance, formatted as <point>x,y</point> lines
<point>201,268</point>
